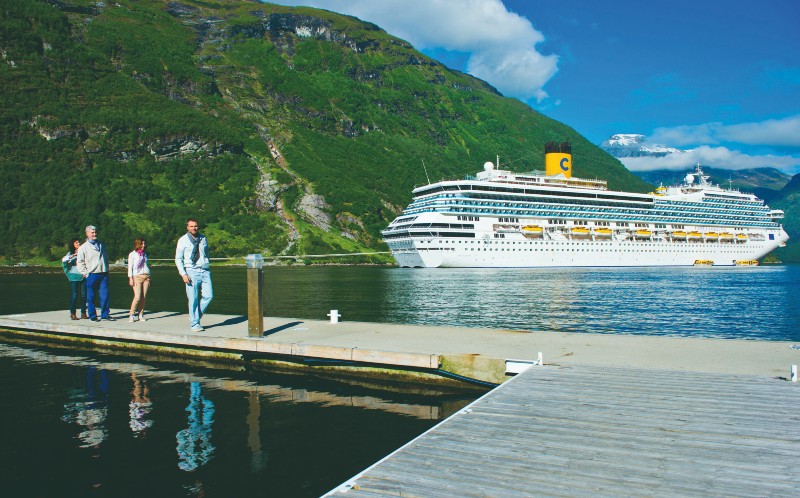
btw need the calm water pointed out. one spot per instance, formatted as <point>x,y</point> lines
<point>95,425</point>
<point>80,424</point>
<point>753,303</point>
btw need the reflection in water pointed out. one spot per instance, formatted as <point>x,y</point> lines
<point>263,427</point>
<point>259,457</point>
<point>194,442</point>
<point>140,406</point>
<point>88,409</point>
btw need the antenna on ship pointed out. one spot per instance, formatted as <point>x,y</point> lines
<point>426,172</point>
<point>498,162</point>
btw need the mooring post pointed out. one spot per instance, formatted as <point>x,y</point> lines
<point>255,295</point>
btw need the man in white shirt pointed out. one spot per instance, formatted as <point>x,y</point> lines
<point>93,264</point>
<point>191,258</point>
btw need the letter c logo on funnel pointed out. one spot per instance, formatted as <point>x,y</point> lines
<point>564,163</point>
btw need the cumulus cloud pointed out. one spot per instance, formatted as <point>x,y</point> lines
<point>718,157</point>
<point>501,44</point>
<point>772,132</point>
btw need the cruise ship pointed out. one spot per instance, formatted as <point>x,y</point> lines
<point>499,218</point>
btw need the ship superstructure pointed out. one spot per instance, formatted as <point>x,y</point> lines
<point>499,218</point>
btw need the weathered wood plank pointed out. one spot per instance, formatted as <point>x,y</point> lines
<point>608,432</point>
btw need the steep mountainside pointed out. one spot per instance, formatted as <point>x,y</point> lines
<point>788,199</point>
<point>284,130</point>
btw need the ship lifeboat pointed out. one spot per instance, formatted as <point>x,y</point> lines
<point>661,191</point>
<point>747,262</point>
<point>532,231</point>
<point>756,236</point>
<point>711,235</point>
<point>741,237</point>
<point>602,232</point>
<point>579,232</point>
<point>726,236</point>
<point>681,235</point>
<point>703,262</point>
<point>694,235</point>
<point>642,234</point>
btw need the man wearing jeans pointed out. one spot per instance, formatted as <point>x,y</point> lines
<point>191,258</point>
<point>93,264</point>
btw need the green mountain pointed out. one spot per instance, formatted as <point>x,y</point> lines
<point>788,199</point>
<point>284,130</point>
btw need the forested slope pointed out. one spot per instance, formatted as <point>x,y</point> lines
<point>284,130</point>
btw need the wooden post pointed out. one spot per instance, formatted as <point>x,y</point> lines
<point>255,295</point>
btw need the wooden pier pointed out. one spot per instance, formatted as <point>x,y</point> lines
<point>592,431</point>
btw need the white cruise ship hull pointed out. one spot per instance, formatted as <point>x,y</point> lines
<point>443,253</point>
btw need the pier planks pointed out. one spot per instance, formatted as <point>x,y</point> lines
<point>606,432</point>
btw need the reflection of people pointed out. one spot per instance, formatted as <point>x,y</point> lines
<point>191,258</point>
<point>194,442</point>
<point>89,410</point>
<point>93,264</point>
<point>76,280</point>
<point>138,278</point>
<point>140,406</point>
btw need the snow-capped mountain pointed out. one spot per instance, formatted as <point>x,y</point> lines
<point>631,145</point>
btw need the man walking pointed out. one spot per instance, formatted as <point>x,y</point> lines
<point>191,258</point>
<point>93,264</point>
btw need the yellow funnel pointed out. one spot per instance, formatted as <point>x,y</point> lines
<point>558,159</point>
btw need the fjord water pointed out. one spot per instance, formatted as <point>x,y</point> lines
<point>722,302</point>
<point>89,424</point>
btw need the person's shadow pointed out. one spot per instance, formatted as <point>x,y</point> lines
<point>230,321</point>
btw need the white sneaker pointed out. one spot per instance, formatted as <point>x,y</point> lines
<point>142,318</point>
<point>132,318</point>
<point>197,329</point>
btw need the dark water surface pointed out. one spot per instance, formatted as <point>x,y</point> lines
<point>97,425</point>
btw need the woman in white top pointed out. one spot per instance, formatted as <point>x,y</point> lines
<point>138,278</point>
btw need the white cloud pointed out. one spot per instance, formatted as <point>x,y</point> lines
<point>501,44</point>
<point>772,132</point>
<point>718,157</point>
<point>778,132</point>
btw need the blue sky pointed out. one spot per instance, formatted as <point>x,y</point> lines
<point>721,78</point>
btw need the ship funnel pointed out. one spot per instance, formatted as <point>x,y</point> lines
<point>558,159</point>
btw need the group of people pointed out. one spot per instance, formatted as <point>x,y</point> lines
<point>86,266</point>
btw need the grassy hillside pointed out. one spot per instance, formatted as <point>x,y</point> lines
<point>284,130</point>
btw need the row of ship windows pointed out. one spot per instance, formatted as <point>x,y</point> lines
<point>600,249</point>
<point>570,243</point>
<point>514,201</point>
<point>700,220</point>
<point>706,204</point>
<point>518,208</point>
<point>611,215</point>
<point>488,192</point>
<point>605,207</point>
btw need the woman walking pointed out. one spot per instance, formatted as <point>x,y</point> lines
<point>138,278</point>
<point>76,280</point>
